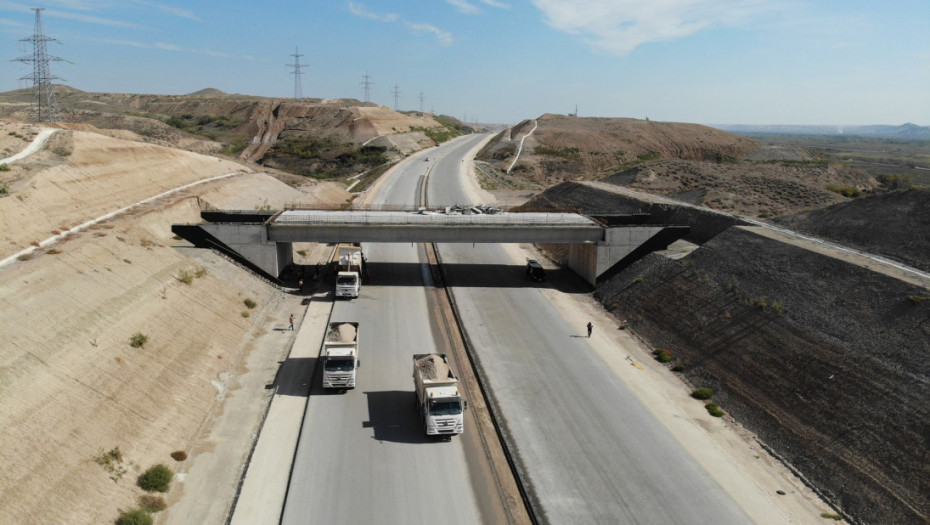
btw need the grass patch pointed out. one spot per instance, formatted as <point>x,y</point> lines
<point>302,253</point>
<point>761,302</point>
<point>713,409</point>
<point>702,393</point>
<point>138,340</point>
<point>831,516</point>
<point>156,479</point>
<point>846,191</point>
<point>678,368</point>
<point>778,307</point>
<point>152,503</point>
<point>917,299</point>
<point>246,314</point>
<point>134,517</point>
<point>112,462</point>
<point>662,355</point>
<point>4,167</point>
<point>179,455</point>
<point>249,303</point>
<point>54,251</point>
<point>187,276</point>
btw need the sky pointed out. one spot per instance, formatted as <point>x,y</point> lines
<point>763,62</point>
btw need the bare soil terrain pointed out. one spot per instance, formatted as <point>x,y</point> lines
<point>85,411</point>
<point>687,162</point>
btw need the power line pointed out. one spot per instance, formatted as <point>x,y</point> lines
<point>367,83</point>
<point>422,98</point>
<point>298,88</point>
<point>396,93</point>
<point>44,104</point>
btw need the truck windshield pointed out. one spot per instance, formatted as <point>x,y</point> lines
<point>346,280</point>
<point>339,365</point>
<point>445,407</point>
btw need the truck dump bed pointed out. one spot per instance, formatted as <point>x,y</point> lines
<point>432,367</point>
<point>341,333</point>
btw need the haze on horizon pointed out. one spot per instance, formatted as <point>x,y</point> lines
<point>761,62</point>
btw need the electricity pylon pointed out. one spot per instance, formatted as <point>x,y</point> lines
<point>44,103</point>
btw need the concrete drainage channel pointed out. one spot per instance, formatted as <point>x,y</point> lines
<point>487,434</point>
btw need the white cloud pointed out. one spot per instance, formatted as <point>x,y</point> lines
<point>444,37</point>
<point>464,6</point>
<point>93,19</point>
<point>165,46</point>
<point>358,10</point>
<point>469,8</point>
<point>171,10</point>
<point>494,3</point>
<point>620,26</point>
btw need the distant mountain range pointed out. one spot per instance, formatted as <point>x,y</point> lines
<point>904,131</point>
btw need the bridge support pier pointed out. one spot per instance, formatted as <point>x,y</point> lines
<point>591,261</point>
<point>250,241</point>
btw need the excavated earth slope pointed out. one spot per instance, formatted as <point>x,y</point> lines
<point>894,224</point>
<point>72,388</point>
<point>823,353</point>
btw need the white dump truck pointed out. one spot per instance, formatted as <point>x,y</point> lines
<point>340,355</point>
<point>438,399</point>
<point>348,261</point>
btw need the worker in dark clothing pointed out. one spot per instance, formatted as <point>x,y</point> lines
<point>590,328</point>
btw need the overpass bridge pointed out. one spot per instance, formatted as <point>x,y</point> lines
<point>263,240</point>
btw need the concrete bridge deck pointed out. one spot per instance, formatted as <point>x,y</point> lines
<point>263,240</point>
<point>400,226</point>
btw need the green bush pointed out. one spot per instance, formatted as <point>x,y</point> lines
<point>713,410</point>
<point>761,302</point>
<point>246,314</point>
<point>152,503</point>
<point>249,303</point>
<point>4,189</point>
<point>917,299</point>
<point>662,355</point>
<point>702,393</point>
<point>829,516</point>
<point>134,517</point>
<point>156,479</point>
<point>4,167</point>
<point>678,368</point>
<point>138,340</point>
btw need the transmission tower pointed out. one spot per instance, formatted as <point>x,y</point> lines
<point>44,103</point>
<point>422,98</point>
<point>367,83</point>
<point>298,90</point>
<point>396,94</point>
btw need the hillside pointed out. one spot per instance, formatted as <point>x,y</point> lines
<point>311,137</point>
<point>84,411</point>
<point>822,353</point>
<point>688,162</point>
<point>570,148</point>
<point>884,224</point>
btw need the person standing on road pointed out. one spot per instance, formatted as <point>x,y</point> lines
<point>292,322</point>
<point>590,329</point>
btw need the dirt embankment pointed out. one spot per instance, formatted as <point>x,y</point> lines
<point>688,162</point>
<point>72,387</point>
<point>822,353</point>
<point>891,224</point>
<point>569,148</point>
